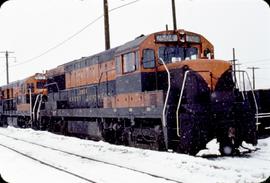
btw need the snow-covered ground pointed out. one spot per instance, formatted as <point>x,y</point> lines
<point>14,168</point>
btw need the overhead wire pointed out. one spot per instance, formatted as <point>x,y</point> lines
<point>257,61</point>
<point>73,35</point>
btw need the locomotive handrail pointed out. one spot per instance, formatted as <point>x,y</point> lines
<point>39,106</point>
<point>259,117</point>
<point>238,85</point>
<point>263,115</point>
<point>34,108</point>
<point>180,99</point>
<point>30,105</point>
<point>99,81</point>
<point>179,102</point>
<point>54,83</point>
<point>101,74</point>
<point>164,122</point>
<point>254,98</point>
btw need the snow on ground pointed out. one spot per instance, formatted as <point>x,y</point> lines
<point>254,167</point>
<point>15,168</point>
<point>90,170</point>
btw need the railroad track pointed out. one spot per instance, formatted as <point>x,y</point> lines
<point>48,164</point>
<point>80,156</point>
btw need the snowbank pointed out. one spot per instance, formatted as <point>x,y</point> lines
<point>254,167</point>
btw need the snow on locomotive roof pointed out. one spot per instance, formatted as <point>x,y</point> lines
<point>38,76</point>
<point>131,44</point>
<point>102,56</point>
<point>107,55</point>
<point>91,60</point>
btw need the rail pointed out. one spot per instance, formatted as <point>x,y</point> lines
<point>253,95</point>
<point>46,164</point>
<point>39,106</point>
<point>99,81</point>
<point>54,83</point>
<point>87,158</point>
<point>263,115</point>
<point>34,108</point>
<point>238,85</point>
<point>30,110</point>
<point>179,102</point>
<point>101,74</point>
<point>164,122</point>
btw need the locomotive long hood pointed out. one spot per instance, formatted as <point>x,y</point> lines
<point>209,70</point>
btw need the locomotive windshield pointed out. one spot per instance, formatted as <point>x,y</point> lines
<point>172,54</point>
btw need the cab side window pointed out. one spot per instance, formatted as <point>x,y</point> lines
<point>148,58</point>
<point>129,62</point>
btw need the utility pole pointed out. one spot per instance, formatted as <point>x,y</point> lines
<point>7,68</point>
<point>106,25</point>
<point>234,65</point>
<point>174,15</point>
<point>253,75</point>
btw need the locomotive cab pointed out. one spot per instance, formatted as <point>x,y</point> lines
<point>177,71</point>
<point>200,88</point>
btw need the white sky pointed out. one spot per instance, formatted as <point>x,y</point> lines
<point>31,27</point>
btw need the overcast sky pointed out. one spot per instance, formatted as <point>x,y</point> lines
<point>31,27</point>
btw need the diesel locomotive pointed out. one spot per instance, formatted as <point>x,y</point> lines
<point>162,91</point>
<point>263,115</point>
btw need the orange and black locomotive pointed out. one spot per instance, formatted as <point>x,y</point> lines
<point>161,91</point>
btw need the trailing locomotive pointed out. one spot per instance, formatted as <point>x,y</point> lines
<point>263,101</point>
<point>161,91</point>
<point>18,100</point>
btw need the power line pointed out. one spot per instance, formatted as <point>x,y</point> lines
<point>260,64</point>
<point>73,35</point>
<point>262,78</point>
<point>259,60</point>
